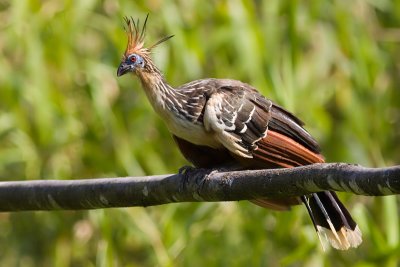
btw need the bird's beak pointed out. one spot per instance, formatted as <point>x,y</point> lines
<point>123,69</point>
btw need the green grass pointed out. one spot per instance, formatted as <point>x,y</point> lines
<point>65,115</point>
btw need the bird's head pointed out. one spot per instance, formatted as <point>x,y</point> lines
<point>136,58</point>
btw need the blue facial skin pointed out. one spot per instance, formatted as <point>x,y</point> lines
<point>132,62</point>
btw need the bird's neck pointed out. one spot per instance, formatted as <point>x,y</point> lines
<point>163,97</point>
<point>183,120</point>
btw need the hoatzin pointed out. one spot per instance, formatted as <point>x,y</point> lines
<point>221,121</point>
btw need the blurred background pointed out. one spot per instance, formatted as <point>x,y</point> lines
<point>65,115</point>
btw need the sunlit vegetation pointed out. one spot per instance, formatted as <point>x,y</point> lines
<point>65,115</point>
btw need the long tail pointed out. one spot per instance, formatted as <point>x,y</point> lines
<point>332,220</point>
<point>330,217</point>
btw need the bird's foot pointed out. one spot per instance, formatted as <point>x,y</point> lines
<point>186,169</point>
<point>185,173</point>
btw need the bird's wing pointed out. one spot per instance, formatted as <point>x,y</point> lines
<point>287,143</point>
<point>285,123</point>
<point>251,126</point>
<point>238,117</point>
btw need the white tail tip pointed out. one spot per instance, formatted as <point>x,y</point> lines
<point>343,239</point>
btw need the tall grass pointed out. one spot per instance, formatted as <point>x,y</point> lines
<point>65,115</point>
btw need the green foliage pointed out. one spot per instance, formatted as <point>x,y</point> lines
<point>65,115</point>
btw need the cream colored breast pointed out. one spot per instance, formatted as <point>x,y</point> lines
<point>191,132</point>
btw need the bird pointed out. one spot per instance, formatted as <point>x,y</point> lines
<point>225,121</point>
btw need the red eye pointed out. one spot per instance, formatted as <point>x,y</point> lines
<point>133,59</point>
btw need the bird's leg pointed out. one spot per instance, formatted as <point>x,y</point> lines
<point>185,169</point>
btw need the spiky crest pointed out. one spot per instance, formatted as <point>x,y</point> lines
<point>136,37</point>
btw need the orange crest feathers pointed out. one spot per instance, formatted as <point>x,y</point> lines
<point>136,37</point>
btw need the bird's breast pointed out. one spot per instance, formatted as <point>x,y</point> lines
<point>193,132</point>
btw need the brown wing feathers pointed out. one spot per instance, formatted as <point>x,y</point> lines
<point>252,120</point>
<point>283,151</point>
<point>287,124</point>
